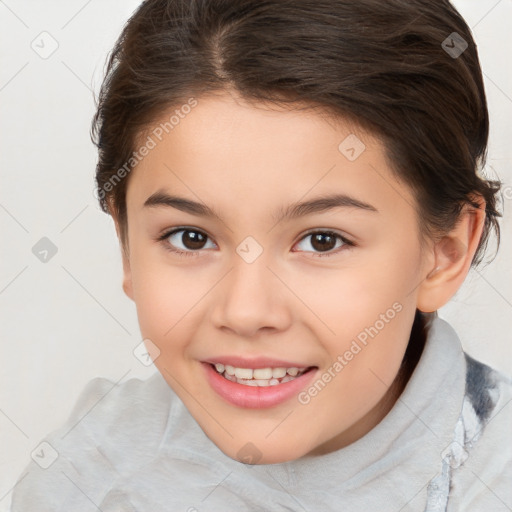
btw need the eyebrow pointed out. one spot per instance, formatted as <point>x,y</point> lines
<point>293,211</point>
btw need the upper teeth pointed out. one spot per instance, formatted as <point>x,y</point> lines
<point>258,373</point>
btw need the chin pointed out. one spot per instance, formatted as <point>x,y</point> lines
<point>255,454</point>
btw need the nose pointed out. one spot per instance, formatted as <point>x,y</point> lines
<point>250,299</point>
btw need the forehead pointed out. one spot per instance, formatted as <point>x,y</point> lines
<point>238,155</point>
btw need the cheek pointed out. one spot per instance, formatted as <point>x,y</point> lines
<point>351,299</point>
<point>165,297</point>
<point>367,311</point>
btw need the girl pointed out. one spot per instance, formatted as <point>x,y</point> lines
<point>296,189</point>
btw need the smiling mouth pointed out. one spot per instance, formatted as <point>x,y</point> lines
<point>261,377</point>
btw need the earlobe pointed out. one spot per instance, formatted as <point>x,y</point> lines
<point>453,255</point>
<point>127,276</point>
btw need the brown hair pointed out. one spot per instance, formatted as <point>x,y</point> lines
<point>385,64</point>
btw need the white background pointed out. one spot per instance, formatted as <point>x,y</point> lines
<point>67,320</point>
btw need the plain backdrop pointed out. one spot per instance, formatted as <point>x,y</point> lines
<point>66,320</point>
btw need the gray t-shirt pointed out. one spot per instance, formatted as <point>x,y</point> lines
<point>446,445</point>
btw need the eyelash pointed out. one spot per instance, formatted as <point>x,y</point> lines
<point>163,239</point>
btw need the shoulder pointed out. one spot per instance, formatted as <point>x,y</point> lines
<point>112,429</point>
<point>488,392</point>
<point>112,411</point>
<point>108,403</point>
<point>482,478</point>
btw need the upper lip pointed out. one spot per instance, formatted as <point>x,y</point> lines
<point>256,362</point>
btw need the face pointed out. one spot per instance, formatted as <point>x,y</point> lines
<point>309,306</point>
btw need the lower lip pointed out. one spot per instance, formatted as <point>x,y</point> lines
<point>256,397</point>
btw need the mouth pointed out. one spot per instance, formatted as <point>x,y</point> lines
<point>259,377</point>
<point>257,388</point>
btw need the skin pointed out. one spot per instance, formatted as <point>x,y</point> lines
<point>247,161</point>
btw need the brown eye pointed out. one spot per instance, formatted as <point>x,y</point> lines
<point>186,240</point>
<point>324,242</point>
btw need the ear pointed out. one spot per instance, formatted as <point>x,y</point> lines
<point>127,275</point>
<point>452,257</point>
